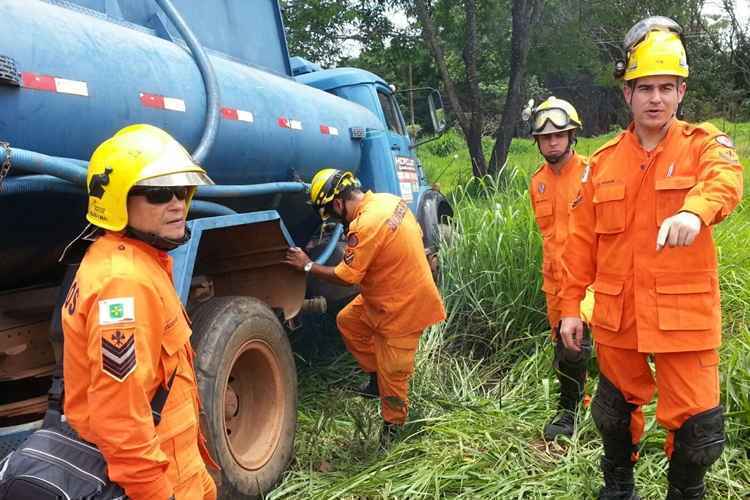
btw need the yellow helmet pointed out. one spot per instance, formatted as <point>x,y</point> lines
<point>654,47</point>
<point>141,155</point>
<point>327,184</point>
<point>554,115</point>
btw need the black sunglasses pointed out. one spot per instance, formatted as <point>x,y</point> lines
<point>160,195</point>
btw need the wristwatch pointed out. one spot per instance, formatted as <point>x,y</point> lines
<point>308,266</point>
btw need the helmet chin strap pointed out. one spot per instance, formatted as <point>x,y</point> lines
<point>556,158</point>
<point>156,241</point>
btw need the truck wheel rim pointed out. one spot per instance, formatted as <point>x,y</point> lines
<point>253,405</point>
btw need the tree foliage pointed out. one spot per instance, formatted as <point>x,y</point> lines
<point>571,54</point>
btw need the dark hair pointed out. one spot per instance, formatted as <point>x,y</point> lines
<point>347,192</point>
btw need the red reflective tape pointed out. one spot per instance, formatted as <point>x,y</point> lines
<point>230,114</point>
<point>283,122</point>
<point>328,130</point>
<point>38,82</point>
<point>152,100</point>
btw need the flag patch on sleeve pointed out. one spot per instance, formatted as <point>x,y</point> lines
<point>118,352</point>
<point>113,311</point>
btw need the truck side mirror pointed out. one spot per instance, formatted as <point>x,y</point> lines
<point>437,112</point>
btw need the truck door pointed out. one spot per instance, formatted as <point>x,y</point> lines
<point>399,142</point>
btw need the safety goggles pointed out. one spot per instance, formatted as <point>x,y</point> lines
<point>161,195</point>
<point>638,33</point>
<point>557,116</point>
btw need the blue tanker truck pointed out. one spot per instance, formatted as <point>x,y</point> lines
<point>218,77</point>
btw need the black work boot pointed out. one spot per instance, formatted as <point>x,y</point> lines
<point>619,483</point>
<point>563,424</point>
<point>570,367</point>
<point>369,389</point>
<point>388,434</point>
<point>612,414</point>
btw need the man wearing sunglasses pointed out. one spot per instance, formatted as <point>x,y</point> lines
<point>642,233</point>
<point>385,256</point>
<point>127,336</point>
<point>554,124</point>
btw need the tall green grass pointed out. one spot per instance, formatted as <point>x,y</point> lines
<point>483,386</point>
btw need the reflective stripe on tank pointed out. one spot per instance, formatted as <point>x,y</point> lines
<point>291,124</point>
<point>161,102</point>
<point>328,130</point>
<point>237,115</point>
<point>54,84</point>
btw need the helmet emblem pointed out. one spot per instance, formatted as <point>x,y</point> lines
<point>98,181</point>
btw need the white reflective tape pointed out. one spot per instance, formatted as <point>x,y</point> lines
<point>245,116</point>
<point>174,104</point>
<point>333,131</point>
<point>74,87</point>
<point>295,124</point>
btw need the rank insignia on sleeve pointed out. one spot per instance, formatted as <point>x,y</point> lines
<point>725,141</point>
<point>118,352</point>
<point>120,310</point>
<point>349,257</point>
<point>352,240</point>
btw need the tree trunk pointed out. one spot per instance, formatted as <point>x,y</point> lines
<point>471,125</point>
<point>525,14</point>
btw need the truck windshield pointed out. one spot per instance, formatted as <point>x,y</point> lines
<point>392,119</point>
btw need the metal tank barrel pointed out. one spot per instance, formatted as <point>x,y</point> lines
<point>85,75</point>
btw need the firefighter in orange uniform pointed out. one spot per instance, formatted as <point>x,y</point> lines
<point>126,333</point>
<point>553,186</point>
<point>398,300</point>
<point>642,233</point>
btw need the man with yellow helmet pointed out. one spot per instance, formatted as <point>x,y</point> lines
<point>554,124</point>
<point>385,256</point>
<point>642,233</point>
<point>127,337</point>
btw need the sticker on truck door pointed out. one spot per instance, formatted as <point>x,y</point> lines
<point>408,179</point>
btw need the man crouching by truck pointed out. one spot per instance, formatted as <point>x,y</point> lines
<point>127,339</point>
<point>385,256</point>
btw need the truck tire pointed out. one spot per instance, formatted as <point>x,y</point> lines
<point>248,387</point>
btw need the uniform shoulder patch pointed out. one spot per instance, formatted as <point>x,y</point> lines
<point>725,141</point>
<point>118,352</point>
<point>119,310</point>
<point>352,240</point>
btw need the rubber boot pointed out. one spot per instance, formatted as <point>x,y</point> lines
<point>571,370</point>
<point>388,434</point>
<point>686,481</point>
<point>619,481</point>
<point>564,423</point>
<point>369,389</point>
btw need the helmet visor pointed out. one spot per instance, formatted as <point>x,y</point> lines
<point>638,32</point>
<point>558,117</point>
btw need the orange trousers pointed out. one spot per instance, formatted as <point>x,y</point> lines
<point>392,358</point>
<point>199,486</point>
<point>687,382</point>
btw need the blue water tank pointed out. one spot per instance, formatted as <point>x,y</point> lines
<point>87,74</point>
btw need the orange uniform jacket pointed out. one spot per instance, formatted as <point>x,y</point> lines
<point>385,256</point>
<point>551,195</point>
<point>665,301</point>
<point>125,333</point>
